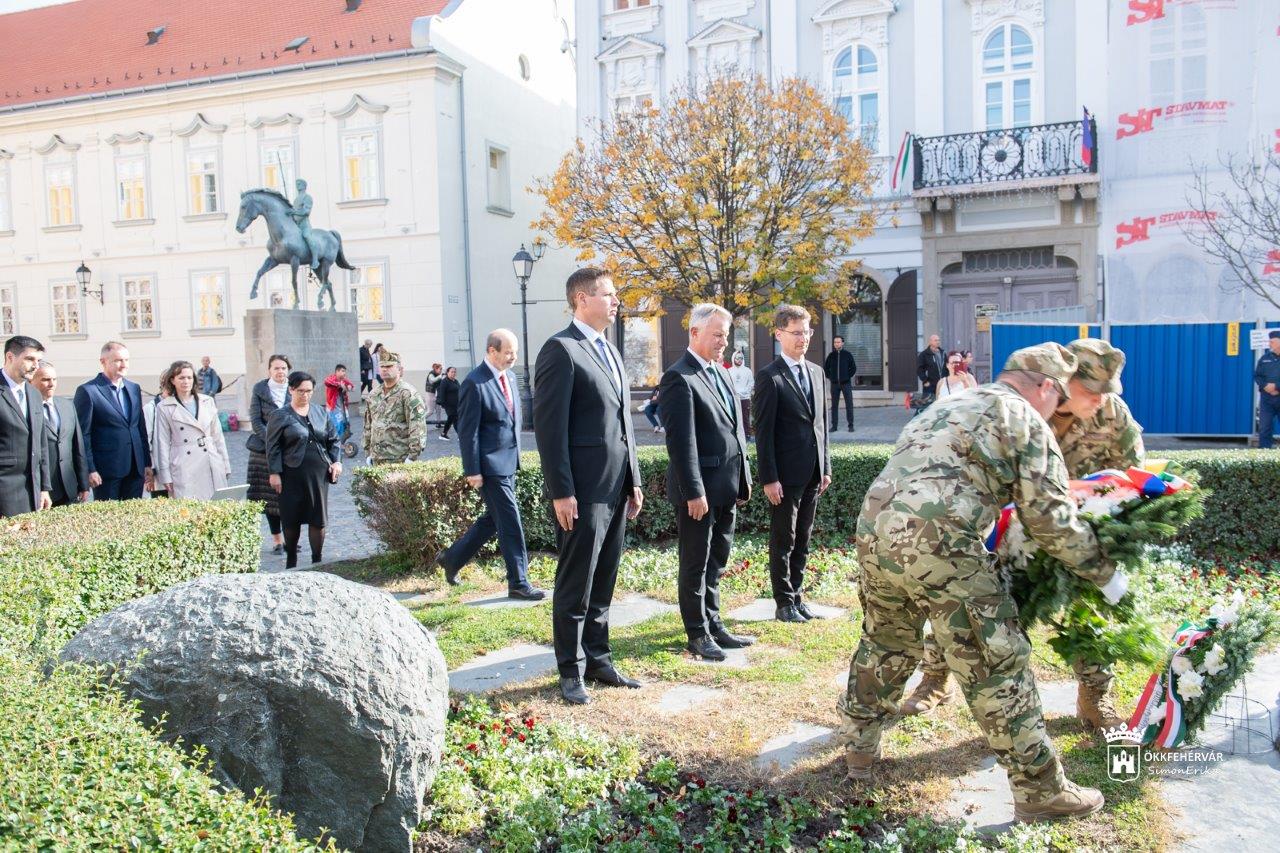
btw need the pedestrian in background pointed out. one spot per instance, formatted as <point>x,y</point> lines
<point>336,388</point>
<point>429,394</point>
<point>1267,377</point>
<point>24,461</point>
<point>744,382</point>
<point>191,455</point>
<point>956,379</point>
<point>931,366</point>
<point>652,410</point>
<point>149,417</point>
<point>302,455</point>
<point>109,407</point>
<point>366,366</point>
<point>268,395</point>
<point>68,470</point>
<point>395,419</point>
<point>209,380</point>
<point>447,393</point>
<point>840,369</point>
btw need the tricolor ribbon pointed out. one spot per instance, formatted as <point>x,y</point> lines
<point>904,159</point>
<point>1173,731</point>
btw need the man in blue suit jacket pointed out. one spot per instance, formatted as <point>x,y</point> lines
<point>115,435</point>
<point>489,431</point>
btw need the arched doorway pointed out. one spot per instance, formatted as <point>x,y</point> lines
<point>862,327</point>
<point>900,323</point>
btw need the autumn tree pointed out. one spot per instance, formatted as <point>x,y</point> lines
<point>733,192</point>
<point>1240,223</point>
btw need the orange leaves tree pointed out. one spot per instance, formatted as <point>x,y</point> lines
<point>733,192</point>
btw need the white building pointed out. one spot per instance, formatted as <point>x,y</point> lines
<point>126,142</point>
<point>1004,214</point>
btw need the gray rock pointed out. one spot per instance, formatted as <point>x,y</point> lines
<point>326,694</point>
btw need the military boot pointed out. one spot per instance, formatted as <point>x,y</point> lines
<point>934,689</point>
<point>1072,801</point>
<point>858,765</point>
<point>1094,708</point>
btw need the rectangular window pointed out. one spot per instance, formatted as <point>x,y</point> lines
<point>995,106</point>
<point>277,290</point>
<point>131,188</point>
<point>66,308</point>
<point>8,309</point>
<point>620,5</point>
<point>6,208</point>
<point>499,180</point>
<point>1021,103</point>
<point>278,171</point>
<point>869,120</point>
<point>139,296</point>
<point>202,180</point>
<point>369,292</point>
<point>360,165</point>
<point>59,181</point>
<point>209,299</point>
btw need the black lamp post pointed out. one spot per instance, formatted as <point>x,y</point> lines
<point>83,277</point>
<point>523,263</point>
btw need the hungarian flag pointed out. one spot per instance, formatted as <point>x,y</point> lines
<point>903,162</point>
<point>1086,139</point>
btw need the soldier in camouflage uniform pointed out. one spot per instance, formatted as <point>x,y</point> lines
<point>921,549</point>
<point>395,417</point>
<point>1095,430</point>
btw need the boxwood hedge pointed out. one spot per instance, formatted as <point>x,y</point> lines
<point>80,771</point>
<point>417,508</point>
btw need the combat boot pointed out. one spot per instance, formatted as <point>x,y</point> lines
<point>1072,801</point>
<point>858,765</point>
<point>1094,708</point>
<point>934,689</point>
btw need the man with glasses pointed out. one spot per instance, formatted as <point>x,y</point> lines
<point>921,546</point>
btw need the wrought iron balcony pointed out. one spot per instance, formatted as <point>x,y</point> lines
<point>1005,156</point>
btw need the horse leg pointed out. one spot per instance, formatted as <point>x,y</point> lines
<point>293,266</point>
<point>326,286</point>
<point>269,264</point>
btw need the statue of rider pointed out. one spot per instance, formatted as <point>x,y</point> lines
<point>301,214</point>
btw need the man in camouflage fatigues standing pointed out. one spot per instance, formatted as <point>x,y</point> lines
<point>1095,430</point>
<point>921,549</point>
<point>395,417</point>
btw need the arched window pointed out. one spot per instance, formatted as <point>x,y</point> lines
<point>1008,77</point>
<point>862,328</point>
<point>855,83</point>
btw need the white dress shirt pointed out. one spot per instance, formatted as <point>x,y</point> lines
<point>20,392</point>
<point>592,336</point>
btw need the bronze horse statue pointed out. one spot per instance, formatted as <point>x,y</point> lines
<point>286,244</point>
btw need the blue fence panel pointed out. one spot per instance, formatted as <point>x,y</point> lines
<point>1179,379</point>
<point>1007,337</point>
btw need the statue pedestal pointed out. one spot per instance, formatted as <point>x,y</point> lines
<point>313,341</point>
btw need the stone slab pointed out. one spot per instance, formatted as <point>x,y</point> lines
<point>1058,697</point>
<point>500,602</point>
<point>981,798</point>
<point>763,609</point>
<point>733,659</point>
<point>686,697</point>
<point>635,608</point>
<point>511,665</point>
<point>786,749</point>
<point>412,599</point>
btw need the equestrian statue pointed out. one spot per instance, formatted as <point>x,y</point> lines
<point>292,240</point>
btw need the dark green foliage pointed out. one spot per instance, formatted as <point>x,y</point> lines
<point>1241,520</point>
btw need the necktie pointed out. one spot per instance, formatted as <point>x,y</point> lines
<point>721,387</point>
<point>51,416</point>
<point>21,393</point>
<point>608,362</point>
<point>123,399</point>
<point>506,393</point>
<point>804,383</point>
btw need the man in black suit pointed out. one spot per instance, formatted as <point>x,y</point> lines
<point>930,365</point>
<point>707,475</point>
<point>24,469</point>
<point>792,452</point>
<point>109,407</point>
<point>68,471</point>
<point>582,420</point>
<point>840,369</point>
<point>489,435</point>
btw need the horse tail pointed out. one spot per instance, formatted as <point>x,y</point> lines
<point>341,259</point>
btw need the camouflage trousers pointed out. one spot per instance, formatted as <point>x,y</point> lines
<point>976,627</point>
<point>1095,675</point>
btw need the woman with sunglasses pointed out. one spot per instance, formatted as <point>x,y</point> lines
<point>957,379</point>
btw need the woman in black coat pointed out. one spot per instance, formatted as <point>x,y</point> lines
<point>447,399</point>
<point>267,396</point>
<point>302,455</point>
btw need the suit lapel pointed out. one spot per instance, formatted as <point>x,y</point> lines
<point>13,404</point>
<point>595,358</point>
<point>711,386</point>
<point>795,386</point>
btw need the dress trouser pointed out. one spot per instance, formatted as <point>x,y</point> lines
<point>838,390</point>
<point>586,572</point>
<point>119,488</point>
<point>790,525</point>
<point>1268,414</point>
<point>501,517</point>
<point>704,551</point>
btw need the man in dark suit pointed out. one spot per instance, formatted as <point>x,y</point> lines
<point>24,461</point>
<point>109,407</point>
<point>582,420</point>
<point>68,470</point>
<point>931,365</point>
<point>707,475</point>
<point>792,452</point>
<point>840,369</point>
<point>489,435</point>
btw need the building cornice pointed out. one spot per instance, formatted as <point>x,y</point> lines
<point>358,102</point>
<point>275,121</point>
<point>200,123</point>
<point>56,142</point>
<point>129,138</point>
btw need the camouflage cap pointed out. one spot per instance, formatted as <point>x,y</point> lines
<point>1098,365</point>
<point>386,356</point>
<point>1048,359</point>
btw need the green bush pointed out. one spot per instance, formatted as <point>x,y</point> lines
<point>418,508</point>
<point>81,772</point>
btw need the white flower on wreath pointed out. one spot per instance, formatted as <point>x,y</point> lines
<point>1156,716</point>
<point>1215,660</point>
<point>1227,614</point>
<point>1190,685</point>
<point>1181,665</point>
<point>1101,506</point>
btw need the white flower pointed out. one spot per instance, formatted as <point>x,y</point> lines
<point>1226,614</point>
<point>1100,506</point>
<point>1156,715</point>
<point>1214,660</point>
<point>1190,685</point>
<point>1181,665</point>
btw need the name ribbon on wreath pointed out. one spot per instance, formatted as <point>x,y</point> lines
<point>1171,731</point>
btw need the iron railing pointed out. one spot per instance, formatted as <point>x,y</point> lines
<point>1007,155</point>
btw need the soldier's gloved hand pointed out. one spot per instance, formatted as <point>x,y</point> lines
<point>1115,588</point>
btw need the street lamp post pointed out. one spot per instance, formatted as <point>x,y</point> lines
<point>523,263</point>
<point>83,277</point>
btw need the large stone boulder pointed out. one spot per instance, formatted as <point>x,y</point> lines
<point>325,693</point>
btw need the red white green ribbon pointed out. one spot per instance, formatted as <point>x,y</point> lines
<point>1173,731</point>
<point>904,159</point>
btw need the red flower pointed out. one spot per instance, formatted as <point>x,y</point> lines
<point>528,722</point>
<point>495,725</point>
<point>733,815</point>
<point>473,747</point>
<point>521,737</point>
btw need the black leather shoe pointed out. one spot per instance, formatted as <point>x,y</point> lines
<point>725,640</point>
<point>450,575</point>
<point>612,678</point>
<point>806,612</point>
<point>529,593</point>
<point>705,648</point>
<point>789,614</point>
<point>573,691</point>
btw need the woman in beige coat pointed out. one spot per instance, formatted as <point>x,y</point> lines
<point>191,456</point>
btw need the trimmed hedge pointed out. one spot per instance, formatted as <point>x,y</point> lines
<point>418,508</point>
<point>80,771</point>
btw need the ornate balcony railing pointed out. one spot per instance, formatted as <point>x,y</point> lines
<point>1008,155</point>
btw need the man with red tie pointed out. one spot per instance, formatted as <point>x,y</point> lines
<point>489,433</point>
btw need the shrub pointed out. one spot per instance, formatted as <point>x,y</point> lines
<point>1239,521</point>
<point>102,779</point>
